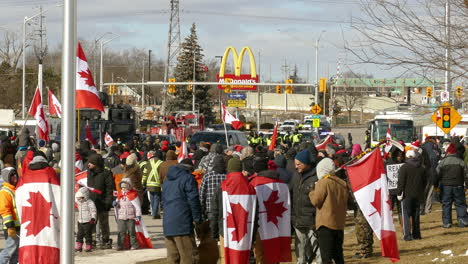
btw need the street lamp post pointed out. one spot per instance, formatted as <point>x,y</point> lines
<point>219,92</point>
<point>101,66</point>
<point>316,66</point>
<point>193,86</point>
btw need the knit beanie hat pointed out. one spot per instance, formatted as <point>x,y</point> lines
<point>219,167</point>
<point>234,165</point>
<point>304,157</point>
<point>260,163</point>
<point>131,160</point>
<point>324,167</point>
<point>187,163</point>
<point>96,159</point>
<point>451,149</point>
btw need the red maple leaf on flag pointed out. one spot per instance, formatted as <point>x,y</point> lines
<point>377,204</point>
<point>38,213</point>
<point>88,77</point>
<point>237,220</point>
<point>274,210</point>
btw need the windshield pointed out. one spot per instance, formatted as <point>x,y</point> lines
<point>400,130</point>
<point>289,123</point>
<point>308,122</point>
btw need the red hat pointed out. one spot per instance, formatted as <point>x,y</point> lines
<point>165,143</point>
<point>416,144</point>
<point>164,148</point>
<point>451,149</point>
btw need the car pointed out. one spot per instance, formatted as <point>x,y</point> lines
<point>235,137</point>
<point>289,125</point>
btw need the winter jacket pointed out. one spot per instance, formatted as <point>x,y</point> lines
<point>164,167</point>
<point>412,179</point>
<point>151,178</point>
<point>128,204</point>
<point>284,174</point>
<point>134,174</point>
<point>86,207</point>
<point>111,161</point>
<point>303,212</point>
<point>330,197</point>
<point>198,155</point>
<point>452,171</point>
<point>181,202</point>
<point>8,210</point>
<point>206,163</point>
<point>102,180</point>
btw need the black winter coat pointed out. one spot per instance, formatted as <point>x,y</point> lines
<point>303,212</point>
<point>412,179</point>
<point>102,180</point>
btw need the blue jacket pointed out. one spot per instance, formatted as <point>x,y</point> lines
<point>181,202</point>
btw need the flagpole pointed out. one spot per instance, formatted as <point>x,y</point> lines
<point>68,132</point>
<point>223,112</point>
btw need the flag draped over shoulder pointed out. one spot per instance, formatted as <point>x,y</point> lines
<point>38,203</point>
<point>369,184</point>
<point>86,93</point>
<point>274,218</point>
<point>37,111</point>
<point>238,218</point>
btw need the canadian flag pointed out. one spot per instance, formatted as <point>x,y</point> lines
<point>230,119</point>
<point>183,153</point>
<point>369,184</point>
<point>324,143</point>
<point>86,93</point>
<point>142,235</point>
<point>37,111</point>
<point>238,218</point>
<point>108,139</point>
<point>388,137</point>
<point>81,179</point>
<point>38,205</point>
<point>89,137</point>
<point>55,108</point>
<point>274,218</point>
<point>273,138</point>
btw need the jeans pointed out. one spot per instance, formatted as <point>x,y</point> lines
<point>452,194</point>
<point>331,245</point>
<point>10,253</point>
<point>155,199</point>
<point>302,249</point>
<point>103,222</point>
<point>126,226</point>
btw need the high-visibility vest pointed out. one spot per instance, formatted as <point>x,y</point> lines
<point>7,218</point>
<point>153,178</point>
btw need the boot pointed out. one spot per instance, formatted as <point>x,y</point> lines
<point>88,247</point>
<point>78,246</point>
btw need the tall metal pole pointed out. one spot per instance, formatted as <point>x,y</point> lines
<point>448,81</point>
<point>316,70</point>
<point>259,105</point>
<point>193,80</point>
<point>101,81</point>
<point>68,132</point>
<point>149,65</point>
<point>24,68</point>
<point>143,86</point>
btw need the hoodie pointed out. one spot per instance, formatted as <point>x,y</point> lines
<point>284,175</point>
<point>412,179</point>
<point>86,207</point>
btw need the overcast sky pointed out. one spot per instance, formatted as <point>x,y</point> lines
<point>280,30</point>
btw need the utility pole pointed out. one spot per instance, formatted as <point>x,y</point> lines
<point>149,65</point>
<point>173,47</point>
<point>259,105</point>
<point>40,50</point>
<point>316,66</point>
<point>143,86</point>
<point>285,69</point>
<point>448,51</point>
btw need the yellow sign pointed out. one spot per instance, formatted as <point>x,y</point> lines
<point>316,109</point>
<point>238,62</point>
<point>446,117</point>
<point>236,103</point>
<point>315,122</point>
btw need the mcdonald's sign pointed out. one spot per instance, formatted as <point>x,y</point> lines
<point>237,80</point>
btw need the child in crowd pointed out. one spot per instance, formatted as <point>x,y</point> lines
<point>128,211</point>
<point>86,219</point>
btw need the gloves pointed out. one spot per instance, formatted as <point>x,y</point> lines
<point>114,203</point>
<point>137,220</point>
<point>11,232</point>
<point>93,221</point>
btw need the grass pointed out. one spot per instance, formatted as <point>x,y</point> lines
<point>435,239</point>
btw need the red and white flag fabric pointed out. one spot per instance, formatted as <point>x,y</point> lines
<point>238,218</point>
<point>369,185</point>
<point>327,140</point>
<point>274,136</point>
<point>388,137</point>
<point>108,139</point>
<point>274,218</point>
<point>89,137</point>
<point>183,152</point>
<point>38,203</point>
<point>142,235</point>
<point>230,119</point>
<point>55,107</point>
<point>81,179</point>
<point>86,93</point>
<point>37,111</point>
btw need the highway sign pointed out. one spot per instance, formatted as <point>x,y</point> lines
<point>446,117</point>
<point>315,122</point>
<point>236,103</point>
<point>237,96</point>
<point>444,96</point>
<point>316,109</point>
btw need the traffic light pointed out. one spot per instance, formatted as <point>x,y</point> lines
<point>171,88</point>
<point>446,117</point>
<point>428,92</point>
<point>289,88</point>
<point>279,89</point>
<point>112,89</point>
<point>459,92</point>
<point>227,88</point>
<point>323,85</point>
<point>190,87</point>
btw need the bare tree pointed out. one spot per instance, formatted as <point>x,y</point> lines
<point>11,49</point>
<point>400,33</point>
<point>350,101</point>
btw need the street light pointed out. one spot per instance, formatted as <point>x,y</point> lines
<point>219,91</point>
<point>316,66</point>
<point>101,67</point>
<point>25,20</point>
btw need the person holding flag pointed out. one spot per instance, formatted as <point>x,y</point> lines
<point>128,212</point>
<point>9,214</point>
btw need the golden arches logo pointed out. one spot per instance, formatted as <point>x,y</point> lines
<point>239,81</point>
<point>238,61</point>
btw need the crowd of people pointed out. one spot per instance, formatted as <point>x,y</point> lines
<point>189,194</point>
